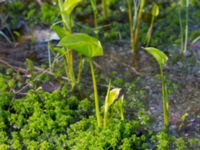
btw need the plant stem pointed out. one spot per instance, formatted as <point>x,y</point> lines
<point>135,31</point>
<point>122,114</point>
<point>139,18</point>
<point>71,67</point>
<point>105,118</point>
<point>96,25</point>
<point>65,18</point>
<point>181,28</point>
<point>80,68</point>
<point>106,106</point>
<point>95,12</point>
<point>121,108</point>
<point>165,100</point>
<point>66,67</point>
<point>149,33</point>
<point>186,27</point>
<point>105,9</point>
<point>95,94</point>
<point>49,59</point>
<point>69,54</point>
<point>95,20</point>
<point>130,14</point>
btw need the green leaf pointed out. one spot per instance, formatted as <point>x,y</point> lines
<point>160,57</point>
<point>111,96</point>
<point>69,5</point>
<point>114,93</point>
<point>83,44</point>
<point>155,10</point>
<point>60,31</point>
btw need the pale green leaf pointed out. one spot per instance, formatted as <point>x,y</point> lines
<point>83,44</point>
<point>112,96</point>
<point>69,5</point>
<point>160,57</point>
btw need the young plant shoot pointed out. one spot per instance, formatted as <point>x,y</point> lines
<point>155,12</point>
<point>135,21</point>
<point>89,47</point>
<point>66,8</point>
<point>181,28</point>
<point>186,27</point>
<point>184,32</point>
<point>111,96</point>
<point>161,59</point>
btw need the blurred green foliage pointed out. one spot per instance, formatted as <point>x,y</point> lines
<point>30,12</point>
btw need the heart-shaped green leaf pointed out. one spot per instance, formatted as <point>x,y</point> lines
<point>160,57</point>
<point>83,44</point>
<point>69,5</point>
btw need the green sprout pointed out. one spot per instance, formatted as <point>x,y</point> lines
<point>184,34</point>
<point>161,59</point>
<point>186,27</point>
<point>89,47</point>
<point>111,96</point>
<point>155,13</point>
<point>66,7</point>
<point>135,21</point>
